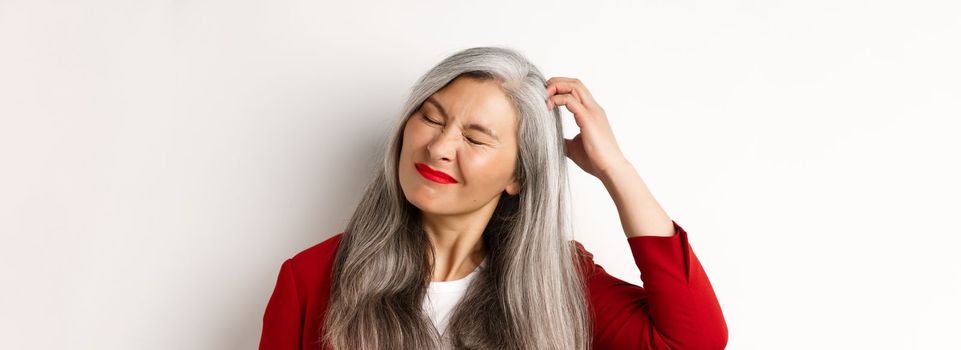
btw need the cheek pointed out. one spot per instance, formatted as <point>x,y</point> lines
<point>414,134</point>
<point>487,168</point>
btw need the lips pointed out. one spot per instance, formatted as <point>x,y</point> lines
<point>434,175</point>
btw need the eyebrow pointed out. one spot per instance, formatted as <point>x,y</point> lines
<point>472,126</point>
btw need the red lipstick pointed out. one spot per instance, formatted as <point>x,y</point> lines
<point>434,175</point>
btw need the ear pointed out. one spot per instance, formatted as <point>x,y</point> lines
<point>514,188</point>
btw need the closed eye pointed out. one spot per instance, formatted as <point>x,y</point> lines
<point>431,121</point>
<point>428,119</point>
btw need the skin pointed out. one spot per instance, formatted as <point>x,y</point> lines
<point>455,215</point>
<point>595,151</point>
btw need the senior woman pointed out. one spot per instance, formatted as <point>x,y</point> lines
<point>461,238</point>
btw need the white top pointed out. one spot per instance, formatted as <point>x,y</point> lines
<point>442,296</point>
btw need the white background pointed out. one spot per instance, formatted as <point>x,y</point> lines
<point>161,159</point>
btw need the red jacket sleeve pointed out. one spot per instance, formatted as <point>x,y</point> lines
<point>675,309</point>
<point>284,316</point>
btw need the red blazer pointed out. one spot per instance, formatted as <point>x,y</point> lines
<point>676,308</point>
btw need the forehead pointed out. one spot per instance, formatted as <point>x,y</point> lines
<point>476,105</point>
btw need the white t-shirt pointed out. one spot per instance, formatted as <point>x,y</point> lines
<point>442,296</point>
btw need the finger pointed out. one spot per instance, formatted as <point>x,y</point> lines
<point>563,85</point>
<point>573,105</point>
<point>560,89</point>
<point>555,88</point>
<point>552,86</point>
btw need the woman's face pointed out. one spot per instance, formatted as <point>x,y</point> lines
<point>446,135</point>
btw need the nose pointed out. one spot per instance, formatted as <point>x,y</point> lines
<point>443,146</point>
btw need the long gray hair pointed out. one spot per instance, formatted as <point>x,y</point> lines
<point>530,294</point>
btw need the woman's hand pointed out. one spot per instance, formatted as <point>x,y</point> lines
<point>593,149</point>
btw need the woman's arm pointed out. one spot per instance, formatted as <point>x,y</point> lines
<point>675,309</point>
<point>283,316</point>
<point>640,213</point>
<point>595,150</point>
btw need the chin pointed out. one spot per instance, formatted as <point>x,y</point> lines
<point>429,207</point>
<point>425,206</point>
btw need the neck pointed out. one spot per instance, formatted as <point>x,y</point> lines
<point>457,241</point>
